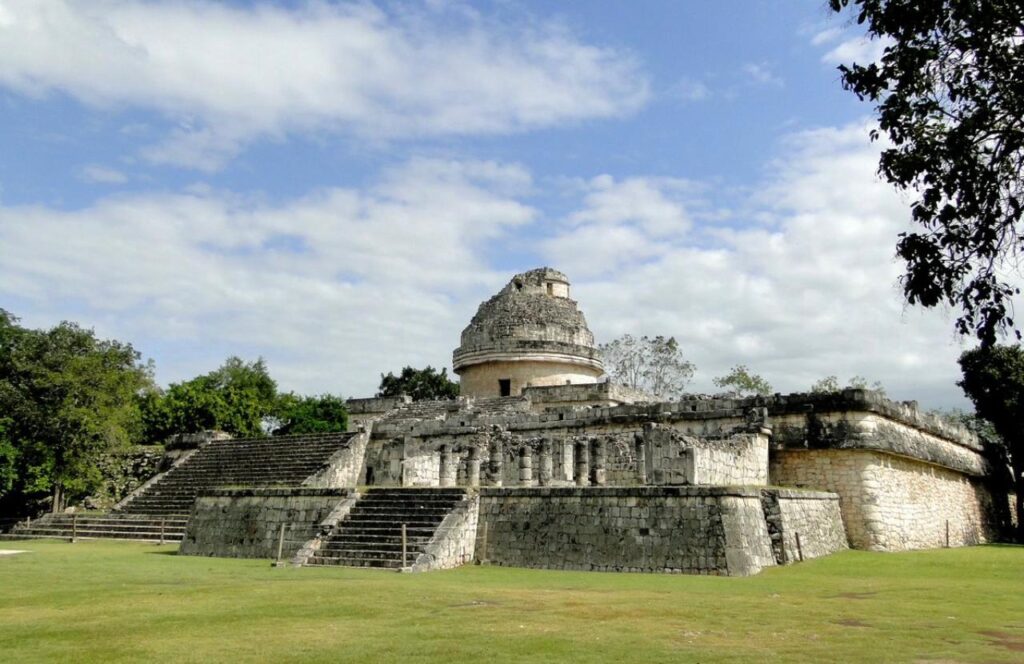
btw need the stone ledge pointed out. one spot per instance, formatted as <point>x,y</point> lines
<point>266,492</point>
<point>802,494</point>
<point>696,491</point>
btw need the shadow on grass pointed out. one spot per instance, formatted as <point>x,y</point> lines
<point>173,552</point>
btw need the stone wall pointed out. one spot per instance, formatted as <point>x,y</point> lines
<point>696,530</point>
<point>892,503</point>
<point>481,380</point>
<point>803,524</point>
<point>344,467</point>
<point>454,541</point>
<point>246,523</point>
<point>675,458</point>
<point>550,397</point>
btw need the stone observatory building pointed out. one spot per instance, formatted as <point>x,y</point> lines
<point>529,334</point>
<point>539,464</point>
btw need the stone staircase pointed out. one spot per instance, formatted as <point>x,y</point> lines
<point>252,462</point>
<point>147,528</point>
<point>371,534</point>
<point>164,504</point>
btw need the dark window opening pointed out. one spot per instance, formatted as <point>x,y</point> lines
<point>505,387</point>
<point>369,476</point>
<point>551,289</point>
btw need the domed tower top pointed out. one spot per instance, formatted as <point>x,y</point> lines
<point>530,333</point>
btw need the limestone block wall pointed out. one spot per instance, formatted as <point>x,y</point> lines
<point>696,530</point>
<point>454,542</point>
<point>344,467</point>
<point>246,523</point>
<point>481,380</point>
<point>675,458</point>
<point>889,502</point>
<point>812,516</point>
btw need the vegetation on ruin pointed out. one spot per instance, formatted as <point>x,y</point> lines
<point>418,384</point>
<point>994,381</point>
<point>949,99</point>
<point>742,382</point>
<point>295,414</point>
<point>66,398</point>
<point>654,365</point>
<point>117,601</point>
<point>832,384</point>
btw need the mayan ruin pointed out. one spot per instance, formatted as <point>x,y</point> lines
<point>542,462</point>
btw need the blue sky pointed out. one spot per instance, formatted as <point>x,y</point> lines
<point>336,186</point>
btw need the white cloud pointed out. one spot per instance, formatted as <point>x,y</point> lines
<point>810,290</point>
<point>102,174</point>
<point>621,221</point>
<point>858,49</point>
<point>689,90</point>
<point>228,75</point>
<point>761,73</point>
<point>333,288</point>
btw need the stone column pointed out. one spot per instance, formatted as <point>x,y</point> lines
<point>473,467</point>
<point>547,466</point>
<point>598,470</point>
<point>582,464</point>
<point>641,459</point>
<point>497,457</point>
<point>448,467</point>
<point>525,466</point>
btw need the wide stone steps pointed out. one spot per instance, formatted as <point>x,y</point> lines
<point>287,460</point>
<point>150,528</point>
<point>371,534</point>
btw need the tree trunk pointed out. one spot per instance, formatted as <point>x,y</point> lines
<point>1018,487</point>
<point>58,498</point>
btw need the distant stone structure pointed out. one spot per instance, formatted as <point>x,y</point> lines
<point>528,335</point>
<point>538,464</point>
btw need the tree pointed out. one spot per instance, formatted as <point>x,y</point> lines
<point>67,398</point>
<point>312,414</point>
<point>949,97</point>
<point>994,381</point>
<point>238,397</point>
<point>419,384</point>
<point>741,382</point>
<point>831,384</point>
<point>653,365</point>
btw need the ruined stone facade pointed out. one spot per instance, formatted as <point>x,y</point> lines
<point>542,465</point>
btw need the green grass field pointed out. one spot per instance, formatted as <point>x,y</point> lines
<point>118,601</point>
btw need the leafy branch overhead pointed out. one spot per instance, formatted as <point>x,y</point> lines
<point>949,96</point>
<point>654,365</point>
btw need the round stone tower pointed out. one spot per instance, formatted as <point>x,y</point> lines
<point>530,333</point>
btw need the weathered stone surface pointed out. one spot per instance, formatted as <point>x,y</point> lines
<point>246,523</point>
<point>696,530</point>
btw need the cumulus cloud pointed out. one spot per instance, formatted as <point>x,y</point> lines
<point>102,174</point>
<point>226,74</point>
<point>847,49</point>
<point>762,73</point>
<point>332,288</point>
<point>809,290</point>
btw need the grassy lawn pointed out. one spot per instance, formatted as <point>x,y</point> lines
<point>117,601</point>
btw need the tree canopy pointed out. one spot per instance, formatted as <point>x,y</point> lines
<point>66,398</point>
<point>949,96</point>
<point>741,382</point>
<point>238,397</point>
<point>419,384</point>
<point>993,378</point>
<point>654,365</point>
<point>325,413</point>
<point>832,384</point>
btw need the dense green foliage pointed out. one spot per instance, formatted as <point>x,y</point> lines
<point>67,398</point>
<point>239,397</point>
<point>419,384</point>
<point>125,602</point>
<point>654,365</point>
<point>312,414</point>
<point>741,382</point>
<point>994,381</point>
<point>949,92</point>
